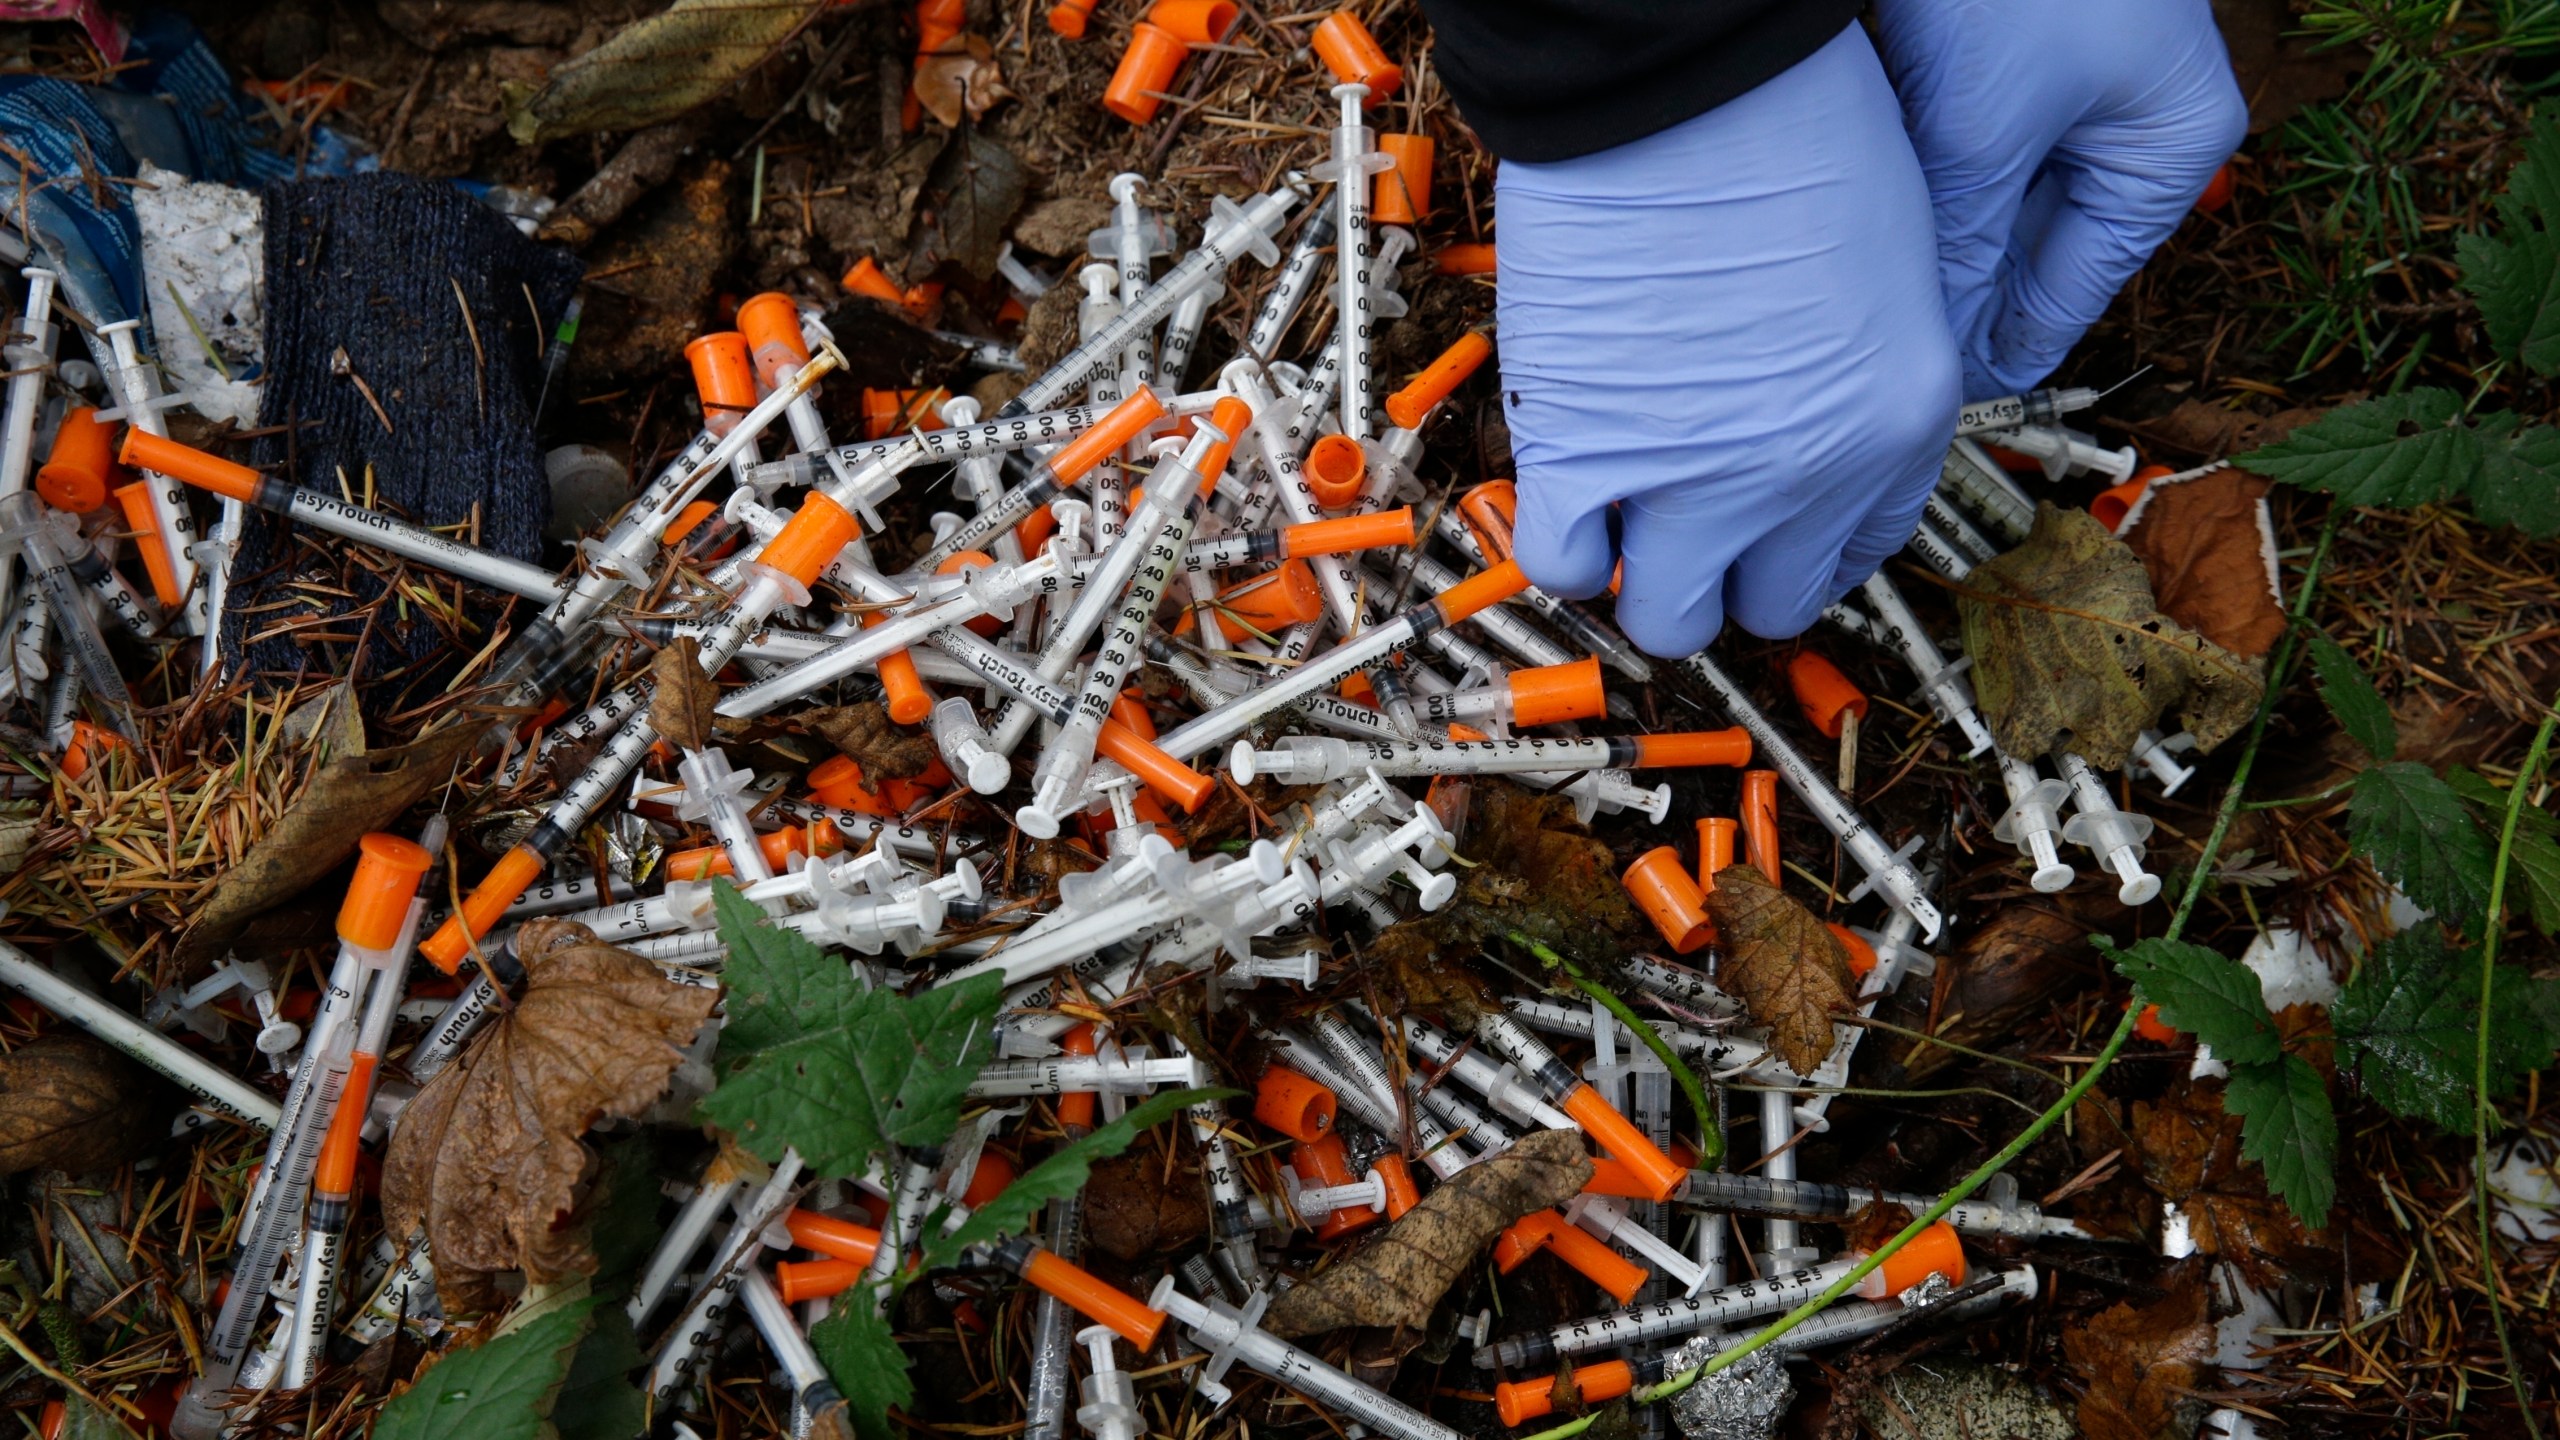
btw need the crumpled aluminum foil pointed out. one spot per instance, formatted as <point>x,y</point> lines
<point>1742,1402</point>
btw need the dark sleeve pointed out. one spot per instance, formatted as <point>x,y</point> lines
<point>1553,79</point>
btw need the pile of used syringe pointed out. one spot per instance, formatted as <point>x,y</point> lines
<point>1340,631</point>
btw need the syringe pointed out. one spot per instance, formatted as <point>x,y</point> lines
<point>2000,1212</point>
<point>1570,1093</point>
<point>29,354</point>
<point>1355,158</point>
<point>813,1392</point>
<point>28,527</point>
<point>326,512</point>
<point>2115,836</point>
<point>1314,759</point>
<point>1160,528</point>
<point>2036,407</point>
<point>1320,672</point>
<point>214,1086</point>
<point>1934,1251</point>
<point>1231,1335</point>
<point>131,378</point>
<point>333,1186</point>
<point>1887,873</point>
<point>1233,231</point>
<point>1065,466</point>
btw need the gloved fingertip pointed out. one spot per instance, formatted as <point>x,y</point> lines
<point>1775,611</point>
<point>1670,616</point>
<point>1565,554</point>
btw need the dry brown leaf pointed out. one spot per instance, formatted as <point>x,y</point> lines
<point>966,204</point>
<point>1541,872</point>
<point>2141,1363</point>
<point>681,709</point>
<point>2208,431</point>
<point>489,1155</point>
<point>2071,653</point>
<point>1134,1209</point>
<point>74,1104</point>
<point>349,796</point>
<point>658,68</point>
<point>865,734</point>
<point>2011,965</point>
<point>1785,966</point>
<point>2209,546</point>
<point>961,78</point>
<point>1398,1278</point>
<point>2187,1149</point>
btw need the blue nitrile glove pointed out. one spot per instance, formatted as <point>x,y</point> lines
<point>2063,143</point>
<point>1732,331</point>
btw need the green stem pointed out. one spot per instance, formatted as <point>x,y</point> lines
<point>1711,1148</point>
<point>2279,667</point>
<point>2332,792</point>
<point>2495,931</point>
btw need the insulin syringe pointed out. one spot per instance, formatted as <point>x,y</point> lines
<point>1935,1250</point>
<point>1814,1200</point>
<point>1231,1335</point>
<point>2036,407</point>
<point>1314,759</point>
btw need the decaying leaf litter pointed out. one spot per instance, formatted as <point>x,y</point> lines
<point>2450,616</point>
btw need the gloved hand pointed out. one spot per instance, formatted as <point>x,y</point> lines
<point>1730,329</point>
<point>2063,143</point>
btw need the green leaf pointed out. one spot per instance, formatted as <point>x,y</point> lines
<point>2534,861</point>
<point>2286,1125</point>
<point>2352,698</point>
<point>811,1058</point>
<point>2515,274</point>
<point>2524,1026</point>
<point>2407,1026</point>
<point>1064,1173</point>
<point>503,1390</point>
<point>599,1400</point>
<point>2215,999</point>
<point>2519,481</point>
<point>861,1353</point>
<point>2416,832</point>
<point>2399,451</point>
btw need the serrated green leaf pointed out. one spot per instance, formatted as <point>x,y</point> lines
<point>2534,862</point>
<point>599,1399</point>
<point>2216,999</point>
<point>2286,1125</point>
<point>1064,1173</point>
<point>2415,830</point>
<point>2515,274</point>
<point>813,1060</point>
<point>2524,1027</point>
<point>2400,451</point>
<point>2351,697</point>
<point>861,1353</point>
<point>503,1390</point>
<point>2406,1025</point>
<point>2519,481</point>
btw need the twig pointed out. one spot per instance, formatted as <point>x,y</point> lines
<point>2493,932</point>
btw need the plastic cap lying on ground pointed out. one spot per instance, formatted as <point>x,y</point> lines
<point>1463,260</point>
<point>1294,1105</point>
<point>1934,1251</point>
<point>1662,889</point>
<point>135,501</point>
<point>770,324</point>
<point>1403,194</point>
<point>1147,67</point>
<point>1826,696</point>
<point>81,470</point>
<point>724,376</point>
<point>1335,467</point>
<point>1348,49</point>
<point>2117,501</point>
<point>1408,406</point>
<point>1194,22</point>
<point>1266,603</point>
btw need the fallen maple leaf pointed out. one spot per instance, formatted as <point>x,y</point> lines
<point>2070,652</point>
<point>1786,967</point>
<point>680,708</point>
<point>1398,1278</point>
<point>2141,1363</point>
<point>489,1155</point>
<point>73,1104</point>
<point>2210,546</point>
